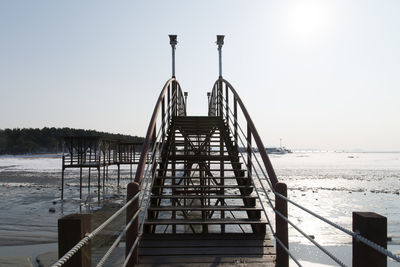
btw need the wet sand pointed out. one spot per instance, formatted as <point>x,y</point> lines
<point>27,227</point>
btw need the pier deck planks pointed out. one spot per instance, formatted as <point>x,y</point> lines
<point>206,250</point>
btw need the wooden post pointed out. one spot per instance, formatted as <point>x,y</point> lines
<point>373,227</point>
<point>104,169</point>
<point>282,257</point>
<point>133,231</point>
<point>119,175</point>
<point>71,229</point>
<point>62,177</point>
<point>98,183</point>
<point>89,184</point>
<point>80,184</point>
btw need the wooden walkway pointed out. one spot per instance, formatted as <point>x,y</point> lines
<point>206,250</point>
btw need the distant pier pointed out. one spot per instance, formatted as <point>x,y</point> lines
<point>98,153</point>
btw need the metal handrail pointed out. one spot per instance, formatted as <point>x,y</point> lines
<point>251,126</point>
<point>143,191</point>
<point>156,147</point>
<point>150,130</point>
<point>277,212</point>
<point>357,236</point>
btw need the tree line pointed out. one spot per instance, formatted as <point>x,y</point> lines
<point>47,140</point>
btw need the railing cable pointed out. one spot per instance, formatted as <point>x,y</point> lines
<point>91,235</point>
<point>353,234</point>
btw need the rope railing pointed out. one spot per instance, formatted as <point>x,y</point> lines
<point>218,98</point>
<point>175,107</point>
<point>91,235</point>
<point>262,205</point>
<point>351,233</point>
<point>143,193</point>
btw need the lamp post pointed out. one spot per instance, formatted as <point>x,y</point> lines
<point>220,43</point>
<point>173,42</point>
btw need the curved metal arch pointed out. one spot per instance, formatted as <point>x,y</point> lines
<point>213,111</point>
<point>179,100</point>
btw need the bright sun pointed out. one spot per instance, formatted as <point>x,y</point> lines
<point>308,18</point>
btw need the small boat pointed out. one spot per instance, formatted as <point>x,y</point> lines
<point>278,150</point>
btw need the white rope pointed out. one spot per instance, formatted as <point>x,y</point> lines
<point>128,257</point>
<point>117,240</point>
<point>90,236</point>
<point>351,233</point>
<point>355,235</point>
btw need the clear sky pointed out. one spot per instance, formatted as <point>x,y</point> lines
<point>318,74</point>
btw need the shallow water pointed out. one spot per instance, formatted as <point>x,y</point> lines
<point>331,184</point>
<point>334,185</point>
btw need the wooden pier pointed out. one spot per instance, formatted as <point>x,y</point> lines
<point>98,153</point>
<point>200,193</point>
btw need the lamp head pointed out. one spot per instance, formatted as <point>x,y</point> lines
<point>220,41</point>
<point>173,40</point>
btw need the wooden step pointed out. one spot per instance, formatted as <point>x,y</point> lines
<point>204,208</point>
<point>197,118</point>
<point>197,191</point>
<point>188,250</point>
<point>203,197</point>
<point>203,186</point>
<point>203,222</point>
<point>197,169</point>
<point>206,237</point>
<point>206,161</point>
<point>203,178</point>
<point>202,158</point>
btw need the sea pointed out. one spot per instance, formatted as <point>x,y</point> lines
<point>331,184</point>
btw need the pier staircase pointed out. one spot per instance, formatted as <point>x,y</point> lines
<point>202,202</point>
<point>200,182</point>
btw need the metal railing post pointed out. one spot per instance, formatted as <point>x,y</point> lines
<point>227,104</point>
<point>235,122</point>
<point>249,150</point>
<point>220,104</point>
<point>162,118</point>
<point>282,257</point>
<point>169,102</point>
<point>174,98</point>
<point>132,232</point>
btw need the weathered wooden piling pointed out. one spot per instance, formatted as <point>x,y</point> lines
<point>373,227</point>
<point>282,257</point>
<point>133,231</point>
<point>71,229</point>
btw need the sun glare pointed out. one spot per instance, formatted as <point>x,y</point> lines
<point>307,18</point>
